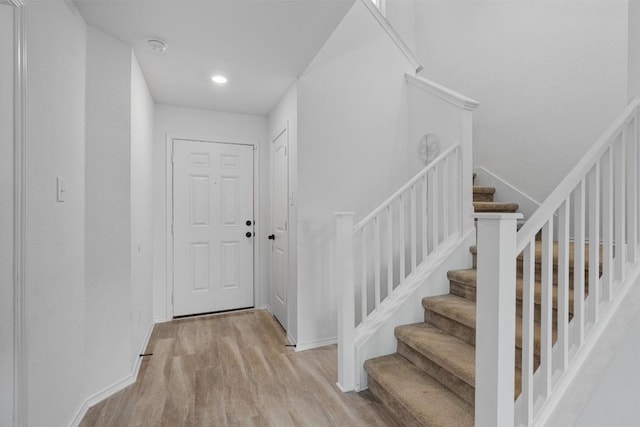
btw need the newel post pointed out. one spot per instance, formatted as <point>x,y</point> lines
<point>346,300</point>
<point>495,318</point>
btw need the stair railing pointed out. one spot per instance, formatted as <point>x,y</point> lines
<point>379,259</point>
<point>593,215</point>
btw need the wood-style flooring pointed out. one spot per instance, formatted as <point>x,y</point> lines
<point>234,370</point>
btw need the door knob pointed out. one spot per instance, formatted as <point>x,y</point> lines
<point>272,237</point>
<point>249,234</point>
<point>249,222</point>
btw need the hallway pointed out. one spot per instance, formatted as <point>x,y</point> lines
<point>234,369</point>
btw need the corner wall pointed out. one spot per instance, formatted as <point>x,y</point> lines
<point>54,253</point>
<point>352,154</point>
<point>108,332</point>
<point>141,243</point>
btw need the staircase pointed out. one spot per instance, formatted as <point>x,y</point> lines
<point>430,380</point>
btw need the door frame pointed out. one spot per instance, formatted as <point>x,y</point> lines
<point>13,406</point>
<point>257,283</point>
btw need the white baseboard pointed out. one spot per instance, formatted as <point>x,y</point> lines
<point>308,345</point>
<point>506,192</point>
<point>113,388</point>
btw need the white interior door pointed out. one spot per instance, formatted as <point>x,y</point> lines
<point>213,227</point>
<point>279,221</point>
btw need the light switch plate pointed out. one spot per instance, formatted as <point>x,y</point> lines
<point>60,190</point>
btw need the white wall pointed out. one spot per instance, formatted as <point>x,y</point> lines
<point>285,115</point>
<point>550,77</point>
<point>142,107</point>
<point>54,281</point>
<point>614,401</point>
<point>108,332</point>
<point>352,112</point>
<point>195,123</point>
<point>6,215</point>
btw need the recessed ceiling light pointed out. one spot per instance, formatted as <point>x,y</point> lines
<point>219,79</point>
<point>157,45</point>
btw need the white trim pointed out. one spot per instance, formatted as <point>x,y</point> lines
<point>7,223</point>
<point>442,92</point>
<point>393,34</point>
<point>257,282</point>
<point>20,350</point>
<point>309,345</point>
<point>112,389</point>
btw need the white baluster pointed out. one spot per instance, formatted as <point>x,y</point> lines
<point>455,186</point>
<point>594,242</point>
<point>632,193</point>
<point>607,225</point>
<point>346,300</point>
<point>445,197</point>
<point>389,251</point>
<point>528,324</point>
<point>425,224</point>
<point>546,320</point>
<point>563,285</point>
<point>364,288</point>
<point>435,202</point>
<point>619,208</point>
<point>578,259</point>
<point>376,260</point>
<point>402,234</point>
<point>413,230</point>
<point>495,324</point>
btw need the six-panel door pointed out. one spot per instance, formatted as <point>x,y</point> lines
<point>213,226</point>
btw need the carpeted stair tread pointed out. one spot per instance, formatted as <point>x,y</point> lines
<point>495,207</point>
<point>463,311</point>
<point>453,307</point>
<point>484,190</point>
<point>474,251</point>
<point>452,354</point>
<point>483,194</point>
<point>469,277</point>
<point>414,397</point>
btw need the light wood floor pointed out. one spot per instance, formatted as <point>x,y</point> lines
<point>234,370</point>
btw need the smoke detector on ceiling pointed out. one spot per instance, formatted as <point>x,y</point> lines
<point>157,45</point>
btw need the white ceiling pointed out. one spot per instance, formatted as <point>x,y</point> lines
<point>261,45</point>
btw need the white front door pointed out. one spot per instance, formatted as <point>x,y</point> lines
<point>213,227</point>
<point>280,227</point>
